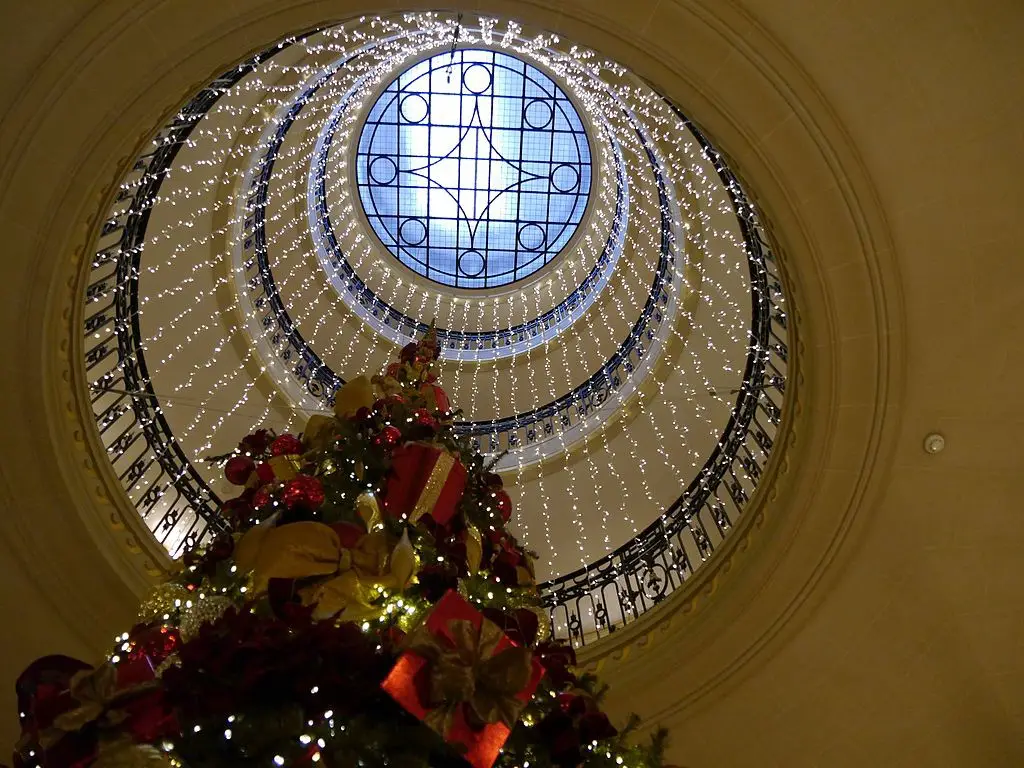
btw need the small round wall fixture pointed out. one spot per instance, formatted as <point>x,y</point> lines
<point>474,168</point>
<point>934,443</point>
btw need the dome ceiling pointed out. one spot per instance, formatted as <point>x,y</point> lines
<point>611,327</point>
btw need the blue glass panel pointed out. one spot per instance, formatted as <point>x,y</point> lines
<point>474,168</point>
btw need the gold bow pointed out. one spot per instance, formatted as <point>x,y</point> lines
<point>320,429</point>
<point>353,395</point>
<point>343,579</point>
<point>467,671</point>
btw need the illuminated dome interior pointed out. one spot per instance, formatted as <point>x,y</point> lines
<point>611,320</point>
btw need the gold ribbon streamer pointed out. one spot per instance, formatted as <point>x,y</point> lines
<point>432,488</point>
<point>125,753</point>
<point>368,509</point>
<point>285,467</point>
<point>474,548</point>
<point>319,432</point>
<point>467,671</point>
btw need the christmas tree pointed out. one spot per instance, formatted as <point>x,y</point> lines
<point>366,607</point>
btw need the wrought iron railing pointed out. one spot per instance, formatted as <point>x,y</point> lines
<point>167,491</point>
<point>180,509</point>
<point>616,590</point>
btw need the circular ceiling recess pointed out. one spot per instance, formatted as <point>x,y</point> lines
<point>611,316</point>
<point>473,168</point>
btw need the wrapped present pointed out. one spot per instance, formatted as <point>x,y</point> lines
<point>465,679</point>
<point>424,480</point>
<point>437,398</point>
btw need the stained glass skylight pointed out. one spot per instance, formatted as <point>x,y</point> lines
<point>474,168</point>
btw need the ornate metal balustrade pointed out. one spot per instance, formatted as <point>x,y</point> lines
<point>181,510</point>
<point>619,588</point>
<point>166,490</point>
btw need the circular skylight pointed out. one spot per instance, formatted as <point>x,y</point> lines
<point>474,168</point>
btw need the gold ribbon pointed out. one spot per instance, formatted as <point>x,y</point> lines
<point>429,395</point>
<point>432,488</point>
<point>368,509</point>
<point>320,429</point>
<point>342,578</point>
<point>285,467</point>
<point>474,548</point>
<point>318,434</point>
<point>466,671</point>
<point>354,394</point>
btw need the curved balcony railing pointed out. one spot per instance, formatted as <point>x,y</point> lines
<point>616,590</point>
<point>180,509</point>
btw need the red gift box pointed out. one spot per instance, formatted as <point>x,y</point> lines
<point>479,746</point>
<point>436,397</point>
<point>424,480</point>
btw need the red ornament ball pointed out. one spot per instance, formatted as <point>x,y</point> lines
<point>237,510</point>
<point>388,437</point>
<point>303,492</point>
<point>238,469</point>
<point>265,473</point>
<point>503,502</point>
<point>285,445</point>
<point>152,644</point>
<point>424,418</point>
<point>261,498</point>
